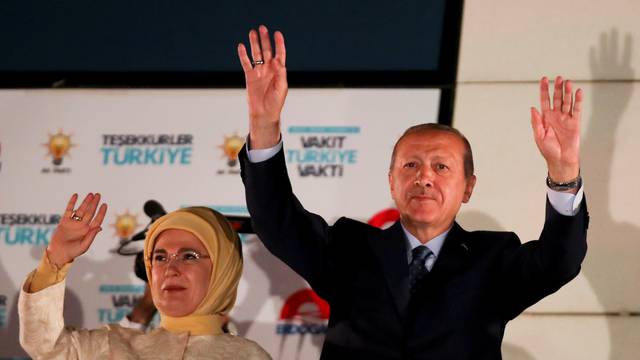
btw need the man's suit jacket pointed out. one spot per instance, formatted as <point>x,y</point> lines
<point>480,281</point>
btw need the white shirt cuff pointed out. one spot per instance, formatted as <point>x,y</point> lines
<point>566,203</point>
<point>259,155</point>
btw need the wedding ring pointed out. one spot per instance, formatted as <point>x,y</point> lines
<point>75,217</point>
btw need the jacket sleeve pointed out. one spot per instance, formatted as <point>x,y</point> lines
<point>294,235</point>
<point>43,334</point>
<point>537,268</point>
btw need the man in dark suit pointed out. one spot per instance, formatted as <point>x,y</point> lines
<point>424,288</point>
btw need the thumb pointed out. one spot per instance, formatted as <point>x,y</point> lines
<point>536,124</point>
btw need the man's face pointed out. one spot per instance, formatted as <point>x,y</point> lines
<point>427,180</point>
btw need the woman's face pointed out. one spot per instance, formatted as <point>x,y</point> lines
<point>179,279</point>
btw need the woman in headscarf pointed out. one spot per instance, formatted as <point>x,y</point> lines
<point>193,260</point>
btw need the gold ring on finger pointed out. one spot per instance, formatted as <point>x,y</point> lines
<point>74,216</point>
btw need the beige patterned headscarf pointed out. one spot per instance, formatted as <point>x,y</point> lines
<point>224,248</point>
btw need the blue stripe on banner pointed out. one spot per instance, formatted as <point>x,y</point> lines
<point>126,288</point>
<point>225,209</point>
<point>230,209</point>
<point>324,129</point>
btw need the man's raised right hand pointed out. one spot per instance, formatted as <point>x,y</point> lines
<point>266,78</point>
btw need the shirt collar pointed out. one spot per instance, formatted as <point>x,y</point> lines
<point>434,244</point>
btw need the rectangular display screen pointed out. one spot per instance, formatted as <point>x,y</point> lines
<point>200,37</point>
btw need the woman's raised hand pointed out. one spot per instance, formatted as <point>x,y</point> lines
<point>76,230</point>
<point>266,79</point>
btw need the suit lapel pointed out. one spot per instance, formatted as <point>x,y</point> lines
<point>391,249</point>
<point>453,256</point>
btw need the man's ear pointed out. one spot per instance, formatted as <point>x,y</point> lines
<point>390,177</point>
<point>468,188</point>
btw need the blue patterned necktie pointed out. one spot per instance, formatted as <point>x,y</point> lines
<point>418,268</point>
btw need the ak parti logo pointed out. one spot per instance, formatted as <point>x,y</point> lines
<point>304,312</point>
<point>125,225</point>
<point>58,146</point>
<point>231,147</point>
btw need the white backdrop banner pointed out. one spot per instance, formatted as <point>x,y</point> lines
<point>180,147</point>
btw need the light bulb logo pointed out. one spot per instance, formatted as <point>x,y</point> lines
<point>58,146</point>
<point>125,225</point>
<point>231,148</point>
